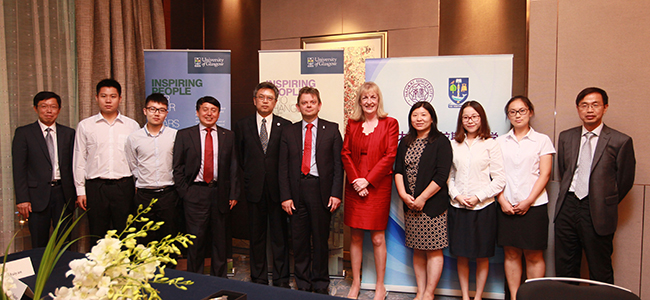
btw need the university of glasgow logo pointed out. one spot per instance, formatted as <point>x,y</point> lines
<point>458,89</point>
<point>197,62</point>
<point>310,62</point>
<point>418,89</point>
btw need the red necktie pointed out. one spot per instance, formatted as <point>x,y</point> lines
<point>306,153</point>
<point>208,159</point>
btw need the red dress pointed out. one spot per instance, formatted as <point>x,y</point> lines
<point>370,157</point>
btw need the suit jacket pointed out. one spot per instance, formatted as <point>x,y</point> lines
<point>435,163</point>
<point>328,161</point>
<point>187,164</point>
<point>259,168</point>
<point>612,173</point>
<point>32,166</point>
<point>381,153</point>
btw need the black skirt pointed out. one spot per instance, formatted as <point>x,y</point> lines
<point>529,231</point>
<point>472,233</point>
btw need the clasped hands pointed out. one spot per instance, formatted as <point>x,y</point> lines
<point>415,204</point>
<point>467,200</point>
<point>360,185</point>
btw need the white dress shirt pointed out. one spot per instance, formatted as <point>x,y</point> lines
<point>150,157</point>
<point>57,172</point>
<point>521,162</point>
<point>583,139</point>
<point>99,149</point>
<point>269,122</point>
<point>215,152</point>
<point>313,169</point>
<point>472,169</point>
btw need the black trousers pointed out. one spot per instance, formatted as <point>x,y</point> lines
<point>574,232</point>
<point>266,215</point>
<point>310,229</point>
<point>39,222</point>
<point>204,220</point>
<point>109,203</point>
<point>164,210</point>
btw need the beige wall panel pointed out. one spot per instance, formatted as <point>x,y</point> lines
<point>628,240</point>
<point>300,18</point>
<point>282,44</point>
<point>413,42</point>
<point>369,15</point>
<point>645,263</point>
<point>601,43</point>
<point>541,64</point>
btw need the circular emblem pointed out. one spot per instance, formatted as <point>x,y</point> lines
<point>418,89</point>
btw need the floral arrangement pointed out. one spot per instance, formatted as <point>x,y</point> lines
<point>118,267</point>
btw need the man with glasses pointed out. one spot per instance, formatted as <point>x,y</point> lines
<point>258,143</point>
<point>149,152</point>
<point>101,173</point>
<point>42,168</point>
<point>597,167</point>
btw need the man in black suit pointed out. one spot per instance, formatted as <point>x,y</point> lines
<point>311,187</point>
<point>207,180</point>
<point>258,143</point>
<point>597,167</point>
<point>42,166</point>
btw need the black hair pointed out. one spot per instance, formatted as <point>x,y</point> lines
<point>591,90</point>
<point>109,82</point>
<point>208,99</point>
<point>157,98</point>
<point>266,85</point>
<point>434,133</point>
<point>44,95</point>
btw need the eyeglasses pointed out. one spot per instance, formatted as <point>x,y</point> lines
<point>585,106</point>
<point>45,106</point>
<point>153,110</point>
<point>264,97</point>
<point>521,111</point>
<point>474,118</point>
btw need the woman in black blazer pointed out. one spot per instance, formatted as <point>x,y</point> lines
<point>422,165</point>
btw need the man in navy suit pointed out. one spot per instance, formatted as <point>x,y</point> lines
<point>258,143</point>
<point>597,167</point>
<point>42,167</point>
<point>207,180</point>
<point>311,188</point>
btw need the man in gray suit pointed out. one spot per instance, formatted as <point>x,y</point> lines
<point>596,166</point>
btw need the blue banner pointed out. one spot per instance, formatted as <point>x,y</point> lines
<point>184,77</point>
<point>321,62</point>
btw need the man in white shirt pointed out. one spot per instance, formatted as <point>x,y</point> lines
<point>149,152</point>
<point>101,173</point>
<point>42,169</point>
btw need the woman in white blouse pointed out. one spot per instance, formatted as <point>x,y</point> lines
<point>476,177</point>
<point>523,218</point>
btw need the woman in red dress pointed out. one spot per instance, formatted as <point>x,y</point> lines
<point>368,154</point>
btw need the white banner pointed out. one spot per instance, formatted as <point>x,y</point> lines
<point>291,70</point>
<point>446,82</point>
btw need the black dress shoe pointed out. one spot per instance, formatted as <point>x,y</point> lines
<point>322,291</point>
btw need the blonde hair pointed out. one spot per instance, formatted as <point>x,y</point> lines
<point>357,112</point>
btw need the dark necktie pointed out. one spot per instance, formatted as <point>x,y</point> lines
<point>49,140</point>
<point>306,153</point>
<point>208,158</point>
<point>264,136</point>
